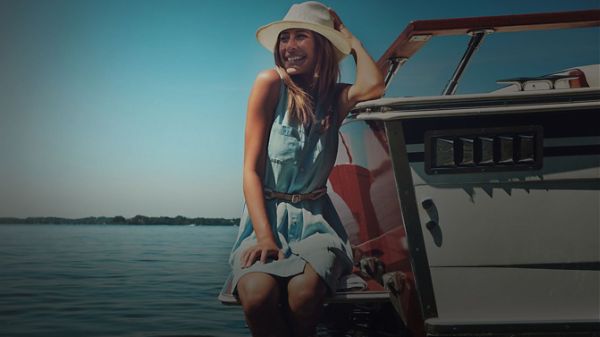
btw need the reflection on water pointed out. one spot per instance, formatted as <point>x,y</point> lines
<point>88,280</point>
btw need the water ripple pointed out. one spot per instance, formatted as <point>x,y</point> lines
<point>113,281</point>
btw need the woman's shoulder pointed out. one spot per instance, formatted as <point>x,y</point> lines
<point>265,91</point>
<point>268,77</point>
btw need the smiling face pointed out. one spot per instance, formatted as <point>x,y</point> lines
<point>296,49</point>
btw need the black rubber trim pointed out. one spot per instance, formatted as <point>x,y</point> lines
<point>555,266</point>
<point>587,328</point>
<point>556,124</point>
<point>550,151</point>
<point>563,151</point>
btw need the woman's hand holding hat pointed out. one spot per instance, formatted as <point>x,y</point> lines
<point>339,26</point>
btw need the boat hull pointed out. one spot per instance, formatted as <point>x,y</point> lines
<point>498,244</point>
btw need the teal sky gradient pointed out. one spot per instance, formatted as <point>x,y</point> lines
<point>138,107</point>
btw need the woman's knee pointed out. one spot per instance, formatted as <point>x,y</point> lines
<point>258,292</point>
<point>306,293</point>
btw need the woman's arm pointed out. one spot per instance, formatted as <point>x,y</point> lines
<point>369,82</point>
<point>261,104</point>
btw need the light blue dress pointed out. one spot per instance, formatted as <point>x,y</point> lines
<point>299,160</point>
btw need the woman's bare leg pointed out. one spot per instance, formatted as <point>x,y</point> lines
<point>260,294</point>
<point>306,292</point>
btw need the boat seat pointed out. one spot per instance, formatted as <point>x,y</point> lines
<point>371,292</point>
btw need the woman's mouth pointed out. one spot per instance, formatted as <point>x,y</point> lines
<point>295,60</point>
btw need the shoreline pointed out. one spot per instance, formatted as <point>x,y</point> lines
<point>120,220</point>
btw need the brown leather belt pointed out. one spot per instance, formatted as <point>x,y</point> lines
<point>295,198</point>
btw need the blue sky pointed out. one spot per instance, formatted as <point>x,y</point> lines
<point>137,107</point>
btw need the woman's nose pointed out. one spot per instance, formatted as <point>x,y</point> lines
<point>291,43</point>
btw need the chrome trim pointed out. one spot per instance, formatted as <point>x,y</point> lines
<point>475,111</point>
<point>394,64</point>
<point>476,39</point>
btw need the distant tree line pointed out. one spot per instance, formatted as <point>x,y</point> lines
<point>120,220</point>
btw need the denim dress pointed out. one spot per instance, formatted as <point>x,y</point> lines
<point>299,160</point>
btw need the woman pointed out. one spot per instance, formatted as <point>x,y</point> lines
<point>291,247</point>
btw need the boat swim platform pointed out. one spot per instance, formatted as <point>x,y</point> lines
<point>373,293</point>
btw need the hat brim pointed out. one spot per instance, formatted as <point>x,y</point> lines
<point>267,35</point>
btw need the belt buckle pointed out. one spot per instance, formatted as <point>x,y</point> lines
<point>296,198</point>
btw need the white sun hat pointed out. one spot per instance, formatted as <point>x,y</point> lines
<point>309,15</point>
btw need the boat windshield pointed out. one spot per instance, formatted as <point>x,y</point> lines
<point>500,56</point>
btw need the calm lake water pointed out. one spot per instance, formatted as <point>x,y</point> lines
<point>87,280</point>
<point>111,280</point>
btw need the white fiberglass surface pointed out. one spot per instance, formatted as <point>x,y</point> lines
<point>516,295</point>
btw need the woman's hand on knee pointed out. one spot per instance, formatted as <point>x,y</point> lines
<point>261,252</point>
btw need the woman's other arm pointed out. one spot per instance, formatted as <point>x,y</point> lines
<point>369,82</point>
<point>261,105</point>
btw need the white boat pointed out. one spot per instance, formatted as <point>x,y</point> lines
<point>480,212</point>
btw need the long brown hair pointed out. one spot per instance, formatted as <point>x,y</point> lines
<point>302,104</point>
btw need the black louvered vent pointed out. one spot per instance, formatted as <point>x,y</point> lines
<point>481,150</point>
